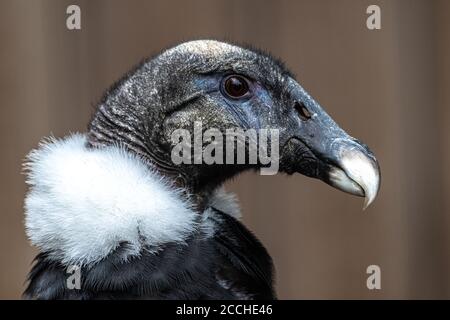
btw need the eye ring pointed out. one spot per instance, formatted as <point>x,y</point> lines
<point>235,86</point>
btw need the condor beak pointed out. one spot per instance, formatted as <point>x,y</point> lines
<point>317,147</point>
<point>354,169</point>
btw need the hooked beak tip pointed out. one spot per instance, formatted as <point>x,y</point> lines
<point>357,172</point>
<point>364,170</point>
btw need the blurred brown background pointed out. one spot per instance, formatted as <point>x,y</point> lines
<point>387,87</point>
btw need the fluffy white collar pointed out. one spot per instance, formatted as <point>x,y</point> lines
<point>83,203</point>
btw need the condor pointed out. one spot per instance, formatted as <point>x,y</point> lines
<point>112,202</point>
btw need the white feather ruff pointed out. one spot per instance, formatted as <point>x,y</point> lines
<point>84,203</point>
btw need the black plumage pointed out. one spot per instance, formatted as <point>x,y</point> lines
<point>231,265</point>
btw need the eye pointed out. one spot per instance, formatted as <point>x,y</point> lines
<point>303,112</point>
<point>235,86</point>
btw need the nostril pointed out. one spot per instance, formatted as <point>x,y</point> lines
<point>302,111</point>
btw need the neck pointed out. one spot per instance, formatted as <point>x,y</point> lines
<point>111,127</point>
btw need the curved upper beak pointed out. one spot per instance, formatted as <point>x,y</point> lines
<point>333,156</point>
<point>353,169</point>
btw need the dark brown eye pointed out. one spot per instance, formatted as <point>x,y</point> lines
<point>236,86</point>
<point>302,111</point>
